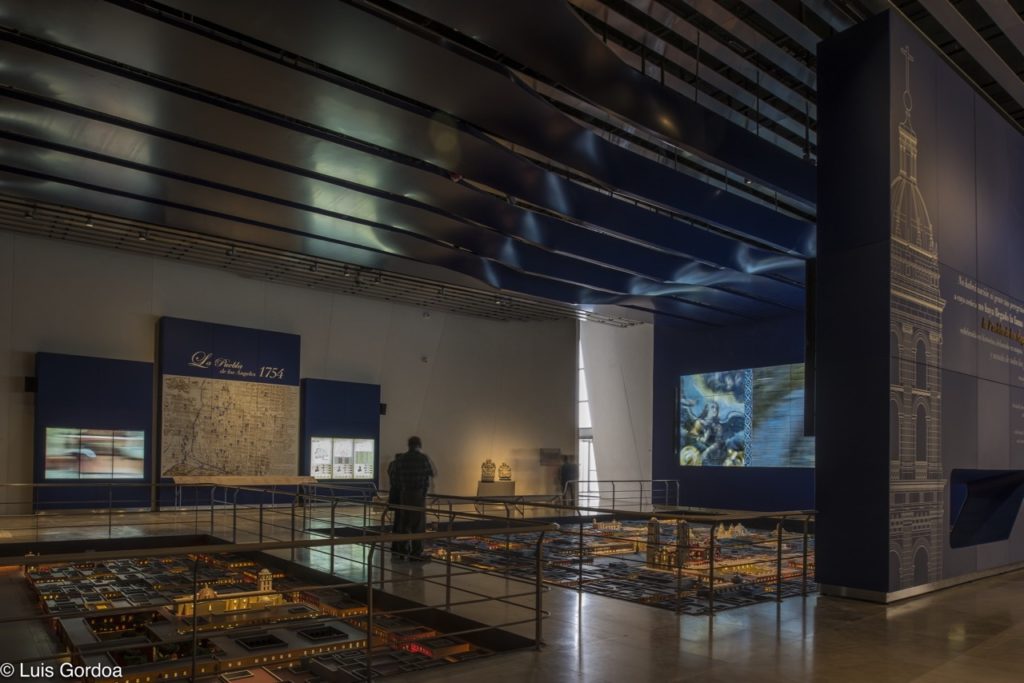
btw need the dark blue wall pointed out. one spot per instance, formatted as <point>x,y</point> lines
<point>851,416</point>
<point>683,351</point>
<point>199,349</point>
<point>348,409</point>
<point>93,393</point>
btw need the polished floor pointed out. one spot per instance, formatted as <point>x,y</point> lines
<point>969,633</point>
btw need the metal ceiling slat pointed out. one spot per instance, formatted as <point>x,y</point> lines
<point>977,47</point>
<point>828,12</point>
<point>785,22</point>
<point>549,38</point>
<point>1008,21</point>
<point>710,45</point>
<point>45,188</point>
<point>246,260</point>
<point>710,76</point>
<point>755,40</point>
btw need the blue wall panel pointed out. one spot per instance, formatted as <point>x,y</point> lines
<point>93,393</point>
<point>343,409</point>
<point>683,351</point>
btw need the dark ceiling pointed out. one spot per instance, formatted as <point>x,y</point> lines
<point>610,159</point>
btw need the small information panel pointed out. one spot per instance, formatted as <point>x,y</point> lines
<point>333,457</point>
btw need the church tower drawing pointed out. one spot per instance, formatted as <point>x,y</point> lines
<point>917,484</point>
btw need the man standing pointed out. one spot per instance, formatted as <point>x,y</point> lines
<point>411,473</point>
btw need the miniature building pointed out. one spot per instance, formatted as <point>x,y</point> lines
<point>207,601</point>
<point>653,540</point>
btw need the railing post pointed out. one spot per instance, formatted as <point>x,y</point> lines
<point>110,510</point>
<point>613,494</point>
<point>711,569</point>
<point>579,581</point>
<point>334,507</point>
<point>369,614</point>
<point>292,525</point>
<point>807,523</point>
<point>508,538</point>
<point>234,518</point>
<point>261,520</point>
<point>778,562</point>
<point>538,587</point>
<point>681,555</point>
<point>448,561</point>
<point>212,493</point>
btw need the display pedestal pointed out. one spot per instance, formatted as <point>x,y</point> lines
<point>499,490</point>
<point>487,489</point>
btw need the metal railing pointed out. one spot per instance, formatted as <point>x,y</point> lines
<point>338,535</point>
<point>727,558</point>
<point>623,494</point>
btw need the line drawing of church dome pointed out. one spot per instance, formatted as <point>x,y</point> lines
<point>910,220</point>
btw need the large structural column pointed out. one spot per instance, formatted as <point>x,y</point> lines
<point>919,322</point>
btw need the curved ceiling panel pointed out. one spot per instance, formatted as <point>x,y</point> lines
<point>385,181</point>
<point>377,211</point>
<point>74,171</point>
<point>548,37</point>
<point>356,43</point>
<point>299,97</point>
<point>333,132</point>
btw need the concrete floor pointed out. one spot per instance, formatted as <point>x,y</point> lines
<point>970,633</point>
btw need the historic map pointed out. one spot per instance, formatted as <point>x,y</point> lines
<point>228,427</point>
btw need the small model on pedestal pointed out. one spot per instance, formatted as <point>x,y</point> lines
<point>505,472</point>
<point>487,470</point>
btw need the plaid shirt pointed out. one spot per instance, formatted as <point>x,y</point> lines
<point>411,471</point>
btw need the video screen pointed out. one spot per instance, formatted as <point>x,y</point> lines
<point>341,457</point>
<point>74,453</point>
<point>744,418</point>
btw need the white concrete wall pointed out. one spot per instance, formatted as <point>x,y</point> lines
<point>620,371</point>
<point>471,388</point>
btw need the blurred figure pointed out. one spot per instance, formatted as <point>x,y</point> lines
<point>568,480</point>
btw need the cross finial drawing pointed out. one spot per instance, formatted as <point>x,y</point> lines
<point>908,103</point>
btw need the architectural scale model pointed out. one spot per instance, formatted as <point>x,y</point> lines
<point>665,563</point>
<point>145,617</point>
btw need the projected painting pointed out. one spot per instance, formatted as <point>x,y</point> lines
<point>744,418</point>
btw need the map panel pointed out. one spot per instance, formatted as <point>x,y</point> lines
<point>226,427</point>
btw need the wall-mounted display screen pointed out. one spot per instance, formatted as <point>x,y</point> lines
<point>744,418</point>
<point>341,457</point>
<point>74,453</point>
